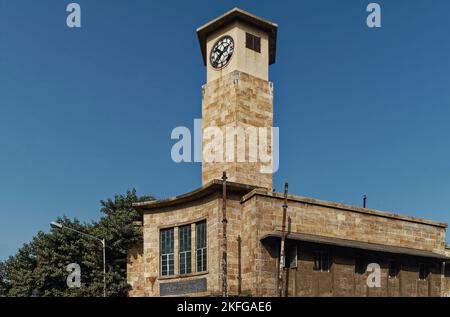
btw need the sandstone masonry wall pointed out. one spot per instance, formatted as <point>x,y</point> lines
<point>238,100</point>
<point>350,224</point>
<point>135,270</point>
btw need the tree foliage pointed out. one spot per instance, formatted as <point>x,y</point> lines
<point>39,268</point>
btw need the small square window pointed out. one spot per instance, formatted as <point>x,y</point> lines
<point>253,42</point>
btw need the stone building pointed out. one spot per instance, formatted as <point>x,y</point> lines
<point>330,249</point>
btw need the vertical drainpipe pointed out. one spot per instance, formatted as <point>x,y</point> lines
<point>224,238</point>
<point>281,284</point>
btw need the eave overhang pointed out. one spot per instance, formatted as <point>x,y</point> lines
<point>210,188</point>
<point>231,16</point>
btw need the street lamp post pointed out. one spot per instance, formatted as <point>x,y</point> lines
<point>58,225</point>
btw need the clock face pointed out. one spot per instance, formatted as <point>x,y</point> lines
<point>222,51</point>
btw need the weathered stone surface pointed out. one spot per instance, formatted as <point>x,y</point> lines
<point>339,221</point>
<point>135,270</point>
<point>252,215</point>
<point>238,100</point>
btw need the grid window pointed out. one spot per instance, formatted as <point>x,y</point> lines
<point>322,262</point>
<point>423,272</point>
<point>167,257</point>
<point>201,246</point>
<point>185,249</point>
<point>253,42</point>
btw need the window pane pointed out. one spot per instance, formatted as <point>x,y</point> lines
<point>204,260</point>
<point>171,265</point>
<point>201,234</point>
<point>199,261</point>
<point>188,263</point>
<point>185,238</point>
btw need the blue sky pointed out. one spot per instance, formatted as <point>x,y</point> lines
<point>87,113</point>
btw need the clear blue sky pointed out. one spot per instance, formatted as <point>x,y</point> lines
<point>88,113</point>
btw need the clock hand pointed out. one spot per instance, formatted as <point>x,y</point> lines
<point>222,52</point>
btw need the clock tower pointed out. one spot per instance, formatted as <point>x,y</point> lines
<point>237,99</point>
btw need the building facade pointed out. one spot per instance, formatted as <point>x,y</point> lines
<point>329,249</point>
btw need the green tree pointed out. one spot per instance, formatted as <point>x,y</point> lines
<point>40,267</point>
<point>4,285</point>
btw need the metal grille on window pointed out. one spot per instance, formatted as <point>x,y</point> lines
<point>201,246</point>
<point>185,249</point>
<point>166,249</point>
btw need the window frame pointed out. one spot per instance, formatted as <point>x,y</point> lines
<point>253,42</point>
<point>201,249</point>
<point>183,253</point>
<point>167,259</point>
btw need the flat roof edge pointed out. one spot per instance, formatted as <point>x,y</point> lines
<point>312,201</point>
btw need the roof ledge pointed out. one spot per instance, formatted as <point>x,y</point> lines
<point>211,187</point>
<point>311,201</point>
